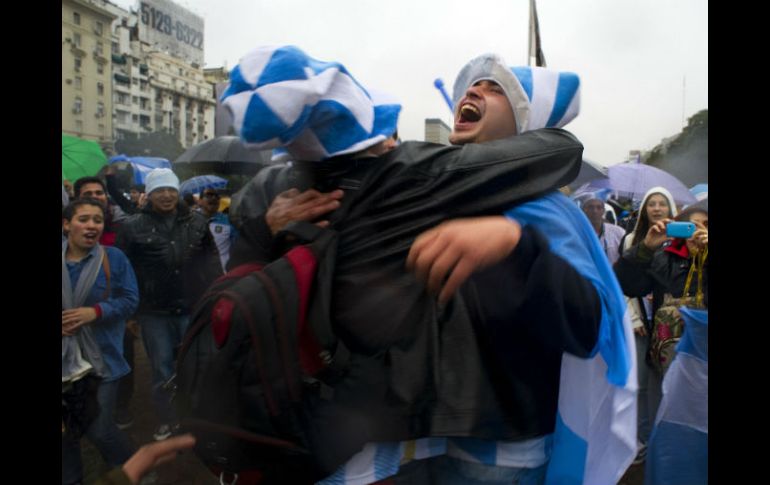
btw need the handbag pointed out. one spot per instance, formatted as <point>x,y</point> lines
<point>668,323</point>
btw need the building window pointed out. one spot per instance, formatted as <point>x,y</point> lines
<point>78,64</point>
<point>76,18</point>
<point>115,48</point>
<point>79,126</point>
<point>78,82</point>
<point>100,68</point>
<point>100,88</point>
<point>99,47</point>
<point>101,130</point>
<point>98,27</point>
<point>76,39</point>
<point>135,118</point>
<point>77,107</point>
<point>99,109</point>
<point>134,99</point>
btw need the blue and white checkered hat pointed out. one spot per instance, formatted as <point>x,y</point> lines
<point>540,97</point>
<point>281,97</point>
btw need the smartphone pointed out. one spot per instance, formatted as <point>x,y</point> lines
<point>683,230</point>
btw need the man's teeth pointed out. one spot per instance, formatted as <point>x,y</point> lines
<point>470,112</point>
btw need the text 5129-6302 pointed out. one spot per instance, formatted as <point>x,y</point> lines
<point>162,22</point>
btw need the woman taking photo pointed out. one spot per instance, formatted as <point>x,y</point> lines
<point>98,293</point>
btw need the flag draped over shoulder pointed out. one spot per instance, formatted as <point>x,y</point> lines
<point>595,437</point>
<point>678,448</point>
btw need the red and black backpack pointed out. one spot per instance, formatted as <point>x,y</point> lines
<point>260,352</point>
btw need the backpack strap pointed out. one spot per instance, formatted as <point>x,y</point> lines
<point>106,266</point>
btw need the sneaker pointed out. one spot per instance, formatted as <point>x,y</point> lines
<point>163,432</point>
<point>151,478</point>
<point>123,419</point>
<point>641,455</point>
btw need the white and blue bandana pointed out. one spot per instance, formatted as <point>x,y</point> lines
<point>540,97</point>
<point>281,97</point>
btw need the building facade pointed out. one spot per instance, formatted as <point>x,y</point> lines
<point>436,131</point>
<point>127,87</point>
<point>86,71</point>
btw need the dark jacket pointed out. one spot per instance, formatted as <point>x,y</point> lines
<point>173,264</point>
<point>641,271</point>
<point>416,369</point>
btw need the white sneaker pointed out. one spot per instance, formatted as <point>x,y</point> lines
<point>163,432</point>
<point>641,454</point>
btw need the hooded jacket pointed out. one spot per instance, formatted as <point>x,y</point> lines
<point>638,314</point>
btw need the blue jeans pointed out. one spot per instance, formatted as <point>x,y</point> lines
<point>111,442</point>
<point>162,335</point>
<point>446,470</point>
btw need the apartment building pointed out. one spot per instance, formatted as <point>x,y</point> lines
<point>86,71</point>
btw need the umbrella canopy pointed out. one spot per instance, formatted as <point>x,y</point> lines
<point>80,158</point>
<point>223,155</point>
<point>635,179</point>
<point>588,171</point>
<point>142,165</point>
<point>198,184</point>
<point>700,191</point>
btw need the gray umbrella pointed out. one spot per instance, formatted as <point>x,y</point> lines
<point>222,155</point>
<point>588,171</point>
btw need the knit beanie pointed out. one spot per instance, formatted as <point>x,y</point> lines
<point>159,178</point>
<point>540,97</point>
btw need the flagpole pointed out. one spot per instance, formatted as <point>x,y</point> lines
<point>684,92</point>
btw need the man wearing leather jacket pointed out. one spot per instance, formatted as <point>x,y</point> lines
<point>495,377</point>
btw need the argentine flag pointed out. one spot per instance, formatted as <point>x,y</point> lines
<point>678,449</point>
<point>595,437</point>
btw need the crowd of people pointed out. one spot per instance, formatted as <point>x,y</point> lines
<point>530,293</point>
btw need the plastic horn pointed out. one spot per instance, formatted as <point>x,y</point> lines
<point>440,86</point>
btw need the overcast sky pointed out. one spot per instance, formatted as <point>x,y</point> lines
<point>633,56</point>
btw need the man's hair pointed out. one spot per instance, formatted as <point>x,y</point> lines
<point>79,183</point>
<point>137,187</point>
<point>69,211</point>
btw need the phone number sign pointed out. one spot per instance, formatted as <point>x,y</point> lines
<point>171,28</point>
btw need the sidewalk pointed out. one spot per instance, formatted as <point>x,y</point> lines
<point>186,469</point>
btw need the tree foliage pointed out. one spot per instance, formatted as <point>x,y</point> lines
<point>693,138</point>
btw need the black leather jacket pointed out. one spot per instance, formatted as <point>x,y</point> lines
<point>173,263</point>
<point>416,369</point>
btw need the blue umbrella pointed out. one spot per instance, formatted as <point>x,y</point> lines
<point>142,165</point>
<point>200,183</point>
<point>700,191</point>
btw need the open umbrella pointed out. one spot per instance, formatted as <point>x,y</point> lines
<point>222,155</point>
<point>635,179</point>
<point>700,191</point>
<point>588,171</point>
<point>80,158</point>
<point>198,184</point>
<point>142,165</point>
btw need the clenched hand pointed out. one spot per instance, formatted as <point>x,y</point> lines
<point>448,254</point>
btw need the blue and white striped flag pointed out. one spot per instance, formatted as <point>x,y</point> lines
<point>595,437</point>
<point>540,97</point>
<point>281,97</point>
<point>678,448</point>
